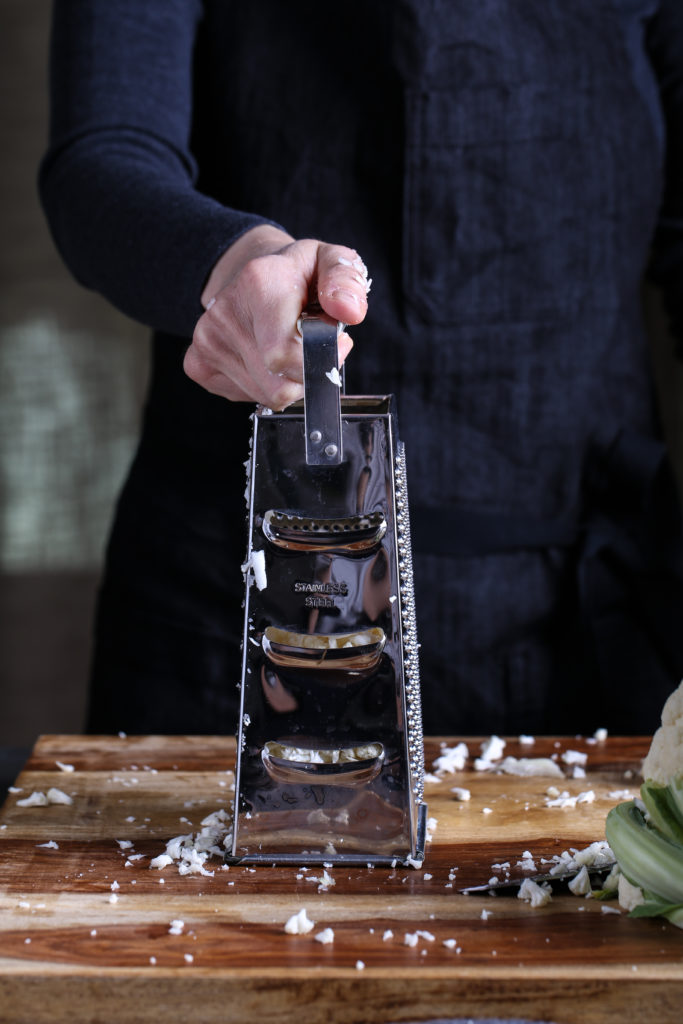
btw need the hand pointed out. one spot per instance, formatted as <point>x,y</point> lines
<point>246,346</point>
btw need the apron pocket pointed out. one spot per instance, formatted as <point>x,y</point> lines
<point>491,229</point>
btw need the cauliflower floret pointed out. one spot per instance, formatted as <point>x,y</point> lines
<point>630,896</point>
<point>672,711</point>
<point>665,758</point>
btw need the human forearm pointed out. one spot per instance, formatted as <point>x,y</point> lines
<point>128,227</point>
<point>118,181</point>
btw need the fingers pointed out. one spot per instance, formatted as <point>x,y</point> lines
<point>343,283</point>
<point>344,346</point>
<point>246,347</point>
<point>339,275</point>
<point>225,356</point>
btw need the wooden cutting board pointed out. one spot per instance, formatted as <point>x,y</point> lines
<point>69,954</point>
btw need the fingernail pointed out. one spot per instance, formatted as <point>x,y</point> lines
<point>343,295</point>
<point>210,303</point>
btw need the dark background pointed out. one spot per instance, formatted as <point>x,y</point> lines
<point>72,375</point>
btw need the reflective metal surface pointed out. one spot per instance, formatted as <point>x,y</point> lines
<point>349,535</point>
<point>330,742</point>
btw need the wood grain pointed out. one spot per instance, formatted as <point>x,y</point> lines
<point>68,954</point>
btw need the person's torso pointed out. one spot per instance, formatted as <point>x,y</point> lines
<point>498,165</point>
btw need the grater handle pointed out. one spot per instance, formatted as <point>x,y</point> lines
<point>322,388</point>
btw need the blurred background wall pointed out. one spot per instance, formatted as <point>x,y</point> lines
<point>72,377</point>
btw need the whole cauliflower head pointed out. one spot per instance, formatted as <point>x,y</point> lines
<point>665,758</point>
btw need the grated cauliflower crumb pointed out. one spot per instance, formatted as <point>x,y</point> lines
<point>574,757</point>
<point>460,793</point>
<point>299,924</point>
<point>533,893</point>
<point>580,885</point>
<point>630,896</point>
<point>451,759</point>
<point>36,799</point>
<point>529,766</point>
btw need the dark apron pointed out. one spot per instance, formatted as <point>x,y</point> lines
<point>619,652</point>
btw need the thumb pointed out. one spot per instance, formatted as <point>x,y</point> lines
<point>339,275</point>
<point>343,283</point>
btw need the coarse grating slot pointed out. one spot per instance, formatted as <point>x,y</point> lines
<point>287,764</point>
<point>355,535</point>
<point>349,651</point>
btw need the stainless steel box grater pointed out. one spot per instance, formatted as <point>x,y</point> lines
<point>330,763</point>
